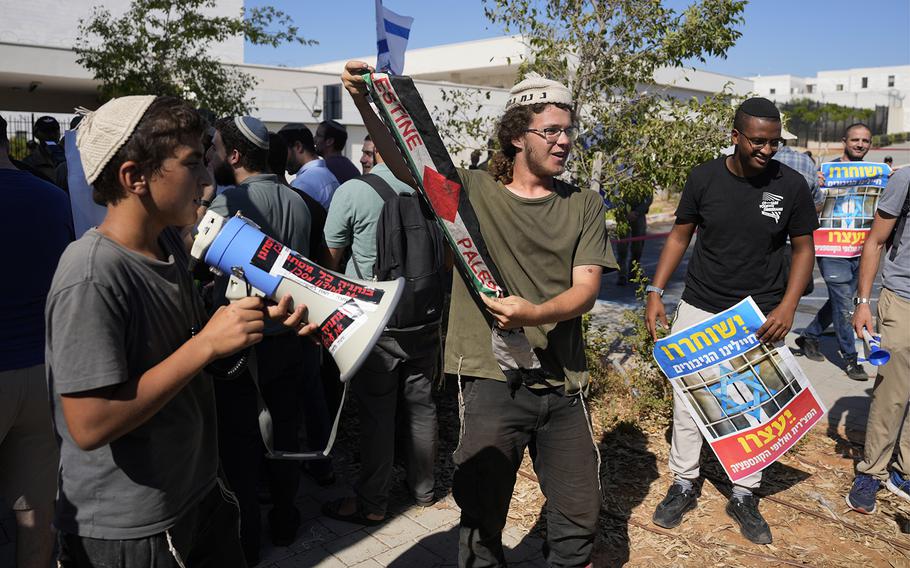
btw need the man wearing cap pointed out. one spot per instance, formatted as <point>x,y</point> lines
<point>331,136</point>
<point>48,154</point>
<point>841,275</point>
<point>744,206</point>
<point>127,340</point>
<point>311,174</point>
<point>241,160</point>
<point>802,164</point>
<point>548,240</point>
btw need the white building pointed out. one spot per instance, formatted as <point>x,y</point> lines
<point>494,63</point>
<point>865,87</point>
<point>39,73</point>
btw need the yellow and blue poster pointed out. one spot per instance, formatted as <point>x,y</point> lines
<point>851,191</point>
<point>752,401</point>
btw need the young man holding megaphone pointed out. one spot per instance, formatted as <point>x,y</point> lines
<point>127,341</point>
<point>887,424</point>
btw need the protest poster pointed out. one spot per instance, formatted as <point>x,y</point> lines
<point>751,401</point>
<point>851,196</point>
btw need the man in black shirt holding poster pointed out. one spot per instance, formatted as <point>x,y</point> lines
<point>744,206</point>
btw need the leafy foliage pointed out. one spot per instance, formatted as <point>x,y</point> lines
<point>463,124</point>
<point>162,47</point>
<point>604,51</point>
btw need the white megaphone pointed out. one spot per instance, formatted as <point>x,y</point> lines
<point>874,352</point>
<point>351,313</point>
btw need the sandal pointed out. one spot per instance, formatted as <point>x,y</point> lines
<point>331,510</point>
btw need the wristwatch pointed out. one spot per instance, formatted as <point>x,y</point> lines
<point>658,291</point>
<point>858,301</point>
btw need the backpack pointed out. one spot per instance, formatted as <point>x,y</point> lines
<point>409,244</point>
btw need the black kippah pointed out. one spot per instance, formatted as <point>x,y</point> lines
<point>760,107</point>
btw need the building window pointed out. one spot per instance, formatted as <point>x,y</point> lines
<point>331,102</point>
<point>865,82</point>
<point>890,80</point>
<point>840,87</point>
<point>773,91</point>
<point>810,88</point>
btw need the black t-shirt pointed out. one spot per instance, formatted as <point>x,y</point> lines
<point>743,225</point>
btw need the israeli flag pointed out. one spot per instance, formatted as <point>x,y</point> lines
<point>392,33</point>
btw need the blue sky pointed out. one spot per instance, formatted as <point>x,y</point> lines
<point>799,37</point>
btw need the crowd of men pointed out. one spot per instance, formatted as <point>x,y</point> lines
<point>150,452</point>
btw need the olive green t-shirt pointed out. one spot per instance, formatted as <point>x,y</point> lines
<point>534,243</point>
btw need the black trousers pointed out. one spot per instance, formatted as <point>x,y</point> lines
<point>207,536</point>
<point>402,366</point>
<point>280,363</point>
<point>496,429</point>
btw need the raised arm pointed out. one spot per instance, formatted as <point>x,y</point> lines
<point>352,78</point>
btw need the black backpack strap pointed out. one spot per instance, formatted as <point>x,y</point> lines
<point>387,194</point>
<point>381,187</point>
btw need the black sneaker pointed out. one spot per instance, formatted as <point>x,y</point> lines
<point>669,513</point>
<point>809,347</point>
<point>744,510</point>
<point>855,371</point>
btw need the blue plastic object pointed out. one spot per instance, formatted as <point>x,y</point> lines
<point>235,246</point>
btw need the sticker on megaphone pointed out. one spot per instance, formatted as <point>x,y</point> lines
<point>874,352</point>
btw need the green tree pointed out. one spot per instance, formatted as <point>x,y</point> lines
<point>605,51</point>
<point>162,47</point>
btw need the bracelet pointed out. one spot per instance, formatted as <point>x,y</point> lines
<point>650,288</point>
<point>857,301</point>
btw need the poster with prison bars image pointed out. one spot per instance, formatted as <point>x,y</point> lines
<point>851,192</point>
<point>751,401</point>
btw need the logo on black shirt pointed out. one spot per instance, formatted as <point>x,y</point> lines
<point>769,205</point>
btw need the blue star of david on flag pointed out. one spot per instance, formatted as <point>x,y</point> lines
<point>748,379</point>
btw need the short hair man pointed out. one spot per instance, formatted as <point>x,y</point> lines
<point>527,216</point>
<point>28,451</point>
<point>888,160</point>
<point>331,136</point>
<point>840,276</point>
<point>403,364</point>
<point>311,174</point>
<point>803,164</point>
<point>47,153</point>
<point>887,425</point>
<point>127,341</point>
<point>367,155</point>
<point>745,206</point>
<point>241,160</point>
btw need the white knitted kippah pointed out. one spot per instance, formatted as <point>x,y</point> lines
<point>102,132</point>
<point>536,89</point>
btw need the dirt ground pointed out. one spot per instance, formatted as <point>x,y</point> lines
<point>802,500</point>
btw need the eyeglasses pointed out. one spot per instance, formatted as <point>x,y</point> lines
<point>759,143</point>
<point>551,133</point>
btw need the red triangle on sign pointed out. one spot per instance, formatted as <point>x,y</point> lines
<point>443,194</point>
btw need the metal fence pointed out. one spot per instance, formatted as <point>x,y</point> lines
<point>19,129</point>
<point>827,129</point>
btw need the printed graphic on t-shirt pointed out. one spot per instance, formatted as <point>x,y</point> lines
<point>770,205</point>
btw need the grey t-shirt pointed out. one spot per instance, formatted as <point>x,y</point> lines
<point>896,271</point>
<point>112,314</point>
